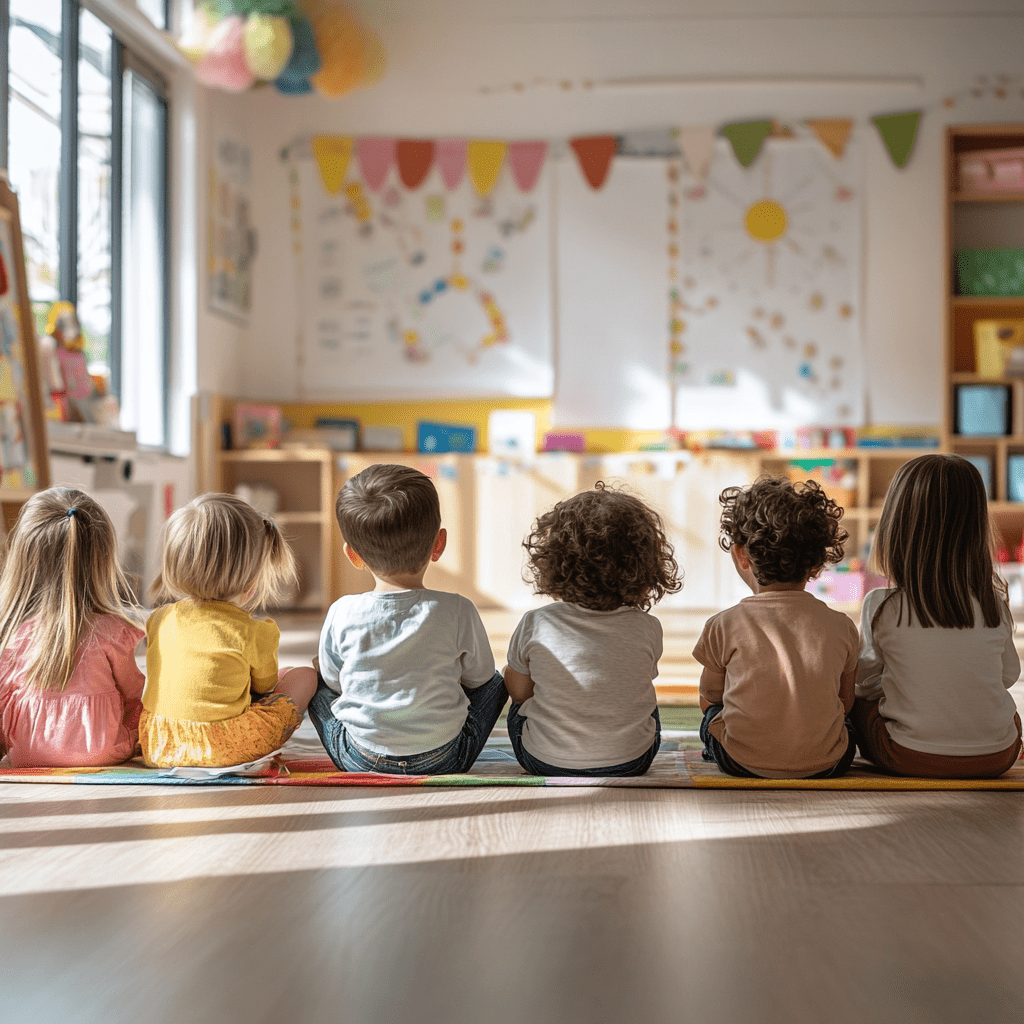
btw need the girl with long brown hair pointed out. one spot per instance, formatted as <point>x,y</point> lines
<point>70,690</point>
<point>937,653</point>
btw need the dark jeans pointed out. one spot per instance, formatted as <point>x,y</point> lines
<point>536,767</point>
<point>714,751</point>
<point>485,706</point>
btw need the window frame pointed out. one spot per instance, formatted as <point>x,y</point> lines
<point>124,59</point>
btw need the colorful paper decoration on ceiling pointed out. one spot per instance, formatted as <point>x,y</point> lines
<point>484,158</point>
<point>450,155</point>
<point>375,155</point>
<point>746,139</point>
<point>525,161</point>
<point>833,133</point>
<point>333,154</point>
<point>899,133</point>
<point>595,153</point>
<point>415,157</point>
<point>697,146</point>
<point>298,45</point>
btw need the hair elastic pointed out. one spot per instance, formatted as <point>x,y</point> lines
<point>71,511</point>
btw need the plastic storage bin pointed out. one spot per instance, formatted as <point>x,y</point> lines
<point>990,271</point>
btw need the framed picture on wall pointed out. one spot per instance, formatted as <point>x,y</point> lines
<point>24,456</point>
<point>231,239</point>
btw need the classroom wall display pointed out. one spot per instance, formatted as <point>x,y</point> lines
<point>24,461</point>
<point>764,288</point>
<point>231,240</point>
<point>439,291</point>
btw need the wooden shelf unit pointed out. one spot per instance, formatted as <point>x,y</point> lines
<point>304,479</point>
<point>979,220</point>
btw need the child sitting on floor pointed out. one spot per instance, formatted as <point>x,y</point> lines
<point>207,657</point>
<point>937,653</point>
<point>70,691</point>
<point>581,671</point>
<point>780,666</point>
<point>407,684</point>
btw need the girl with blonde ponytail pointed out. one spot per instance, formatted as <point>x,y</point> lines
<point>70,690</point>
<point>207,656</point>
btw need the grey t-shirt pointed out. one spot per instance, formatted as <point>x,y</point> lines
<point>399,661</point>
<point>593,678</point>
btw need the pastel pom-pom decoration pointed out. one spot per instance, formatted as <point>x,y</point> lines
<point>304,62</point>
<point>342,42</point>
<point>268,45</point>
<point>193,43</point>
<point>223,64</point>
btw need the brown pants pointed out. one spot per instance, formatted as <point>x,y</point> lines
<point>877,746</point>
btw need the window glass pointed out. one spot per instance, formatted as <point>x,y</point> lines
<point>143,384</point>
<point>95,54</point>
<point>34,137</point>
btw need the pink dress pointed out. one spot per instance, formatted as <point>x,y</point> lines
<point>93,721</point>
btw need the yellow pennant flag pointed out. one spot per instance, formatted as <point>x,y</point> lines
<point>333,153</point>
<point>485,157</point>
<point>833,133</point>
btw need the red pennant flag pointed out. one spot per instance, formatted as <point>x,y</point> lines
<point>376,155</point>
<point>595,153</point>
<point>450,156</point>
<point>415,157</point>
<point>525,160</point>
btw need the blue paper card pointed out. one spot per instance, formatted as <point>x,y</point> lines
<point>982,410</point>
<point>440,438</point>
<point>1015,478</point>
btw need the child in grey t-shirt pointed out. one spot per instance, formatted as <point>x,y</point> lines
<point>581,671</point>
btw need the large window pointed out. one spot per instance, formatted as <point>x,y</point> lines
<point>84,138</point>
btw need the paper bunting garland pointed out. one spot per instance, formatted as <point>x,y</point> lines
<point>332,154</point>
<point>415,157</point>
<point>899,133</point>
<point>485,157</point>
<point>746,139</point>
<point>525,160</point>
<point>833,133</point>
<point>450,158</point>
<point>697,146</point>
<point>376,154</point>
<point>595,153</point>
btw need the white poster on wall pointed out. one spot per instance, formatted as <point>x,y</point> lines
<point>768,291</point>
<point>423,293</point>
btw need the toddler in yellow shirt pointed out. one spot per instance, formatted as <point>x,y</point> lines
<point>780,666</point>
<point>206,655</point>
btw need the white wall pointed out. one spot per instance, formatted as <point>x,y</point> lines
<point>443,52</point>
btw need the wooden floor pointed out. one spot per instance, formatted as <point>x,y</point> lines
<point>487,906</point>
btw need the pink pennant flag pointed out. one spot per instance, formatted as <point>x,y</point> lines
<point>450,160</point>
<point>525,160</point>
<point>376,154</point>
<point>697,146</point>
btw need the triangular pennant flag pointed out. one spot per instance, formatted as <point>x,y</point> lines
<point>746,139</point>
<point>333,153</point>
<point>485,157</point>
<point>697,146</point>
<point>595,153</point>
<point>450,158</point>
<point>899,133</point>
<point>376,155</point>
<point>525,160</point>
<point>414,157</point>
<point>832,132</point>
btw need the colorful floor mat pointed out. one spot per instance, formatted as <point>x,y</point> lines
<point>671,770</point>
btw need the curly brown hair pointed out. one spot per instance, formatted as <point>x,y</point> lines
<point>790,532</point>
<point>602,549</point>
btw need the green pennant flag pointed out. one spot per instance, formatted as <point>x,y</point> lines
<point>746,139</point>
<point>899,133</point>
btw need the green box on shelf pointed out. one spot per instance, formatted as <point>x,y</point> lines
<point>990,271</point>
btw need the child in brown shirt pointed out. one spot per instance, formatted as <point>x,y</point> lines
<point>780,666</point>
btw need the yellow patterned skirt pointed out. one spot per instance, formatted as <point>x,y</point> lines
<point>173,742</point>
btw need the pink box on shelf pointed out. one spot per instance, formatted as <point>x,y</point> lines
<point>991,170</point>
<point>564,441</point>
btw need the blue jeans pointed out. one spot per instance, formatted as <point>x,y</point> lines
<point>537,767</point>
<point>485,706</point>
<point>714,751</point>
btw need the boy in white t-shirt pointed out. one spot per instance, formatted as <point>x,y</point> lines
<point>780,666</point>
<point>407,681</point>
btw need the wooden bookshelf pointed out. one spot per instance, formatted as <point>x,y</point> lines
<point>982,220</point>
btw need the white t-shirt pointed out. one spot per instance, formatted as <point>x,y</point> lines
<point>399,661</point>
<point>940,691</point>
<point>593,690</point>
